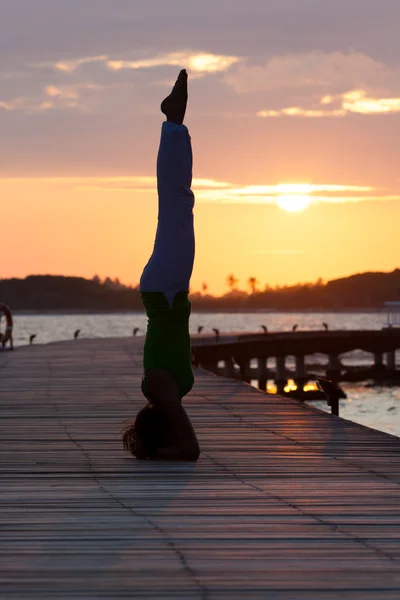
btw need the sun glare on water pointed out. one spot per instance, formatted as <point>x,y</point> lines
<point>293,197</point>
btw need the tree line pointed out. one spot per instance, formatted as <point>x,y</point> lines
<point>57,293</point>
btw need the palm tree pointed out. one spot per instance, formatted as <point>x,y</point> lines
<point>232,282</point>
<point>253,284</point>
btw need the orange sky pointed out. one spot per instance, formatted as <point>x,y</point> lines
<point>80,130</point>
<point>83,232</point>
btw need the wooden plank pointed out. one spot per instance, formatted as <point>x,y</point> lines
<point>286,502</point>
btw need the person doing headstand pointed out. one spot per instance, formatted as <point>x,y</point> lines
<point>162,429</point>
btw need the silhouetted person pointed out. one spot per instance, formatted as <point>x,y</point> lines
<point>264,328</point>
<point>200,329</point>
<point>135,331</point>
<point>5,313</point>
<point>31,338</point>
<point>294,328</point>
<point>162,429</point>
<point>3,341</point>
<point>76,334</point>
<point>326,326</point>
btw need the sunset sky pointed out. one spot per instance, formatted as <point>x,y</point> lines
<point>292,103</point>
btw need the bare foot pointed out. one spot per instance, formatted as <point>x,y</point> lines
<point>174,106</point>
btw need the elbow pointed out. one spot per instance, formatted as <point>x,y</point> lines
<point>191,454</point>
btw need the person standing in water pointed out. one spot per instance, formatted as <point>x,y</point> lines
<point>162,429</point>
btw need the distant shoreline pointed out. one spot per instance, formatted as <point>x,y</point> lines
<point>59,312</point>
<point>364,293</point>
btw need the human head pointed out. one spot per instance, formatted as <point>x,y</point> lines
<point>146,435</point>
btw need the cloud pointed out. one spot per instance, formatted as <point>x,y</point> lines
<point>68,66</point>
<point>297,111</point>
<point>358,101</point>
<point>52,97</point>
<point>197,62</point>
<point>123,183</point>
<point>55,92</point>
<point>262,194</point>
<point>30,104</point>
<point>270,194</point>
<point>336,70</point>
<point>27,104</point>
<point>213,191</point>
<point>13,104</point>
<point>352,102</point>
<point>140,183</point>
<point>32,92</point>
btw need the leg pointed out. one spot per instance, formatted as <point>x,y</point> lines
<point>165,280</point>
<point>170,266</point>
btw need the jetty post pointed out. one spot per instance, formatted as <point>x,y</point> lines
<point>281,380</point>
<point>391,360</point>
<point>301,376</point>
<point>244,367</point>
<point>378,361</point>
<point>334,367</point>
<point>262,372</point>
<point>229,368</point>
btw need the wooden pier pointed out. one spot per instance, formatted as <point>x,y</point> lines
<point>237,351</point>
<point>285,503</point>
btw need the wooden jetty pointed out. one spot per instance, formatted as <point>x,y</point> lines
<point>237,351</point>
<point>285,503</point>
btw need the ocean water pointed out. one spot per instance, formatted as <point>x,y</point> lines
<point>377,407</point>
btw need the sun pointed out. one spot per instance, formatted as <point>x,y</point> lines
<point>293,197</point>
<point>293,202</point>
